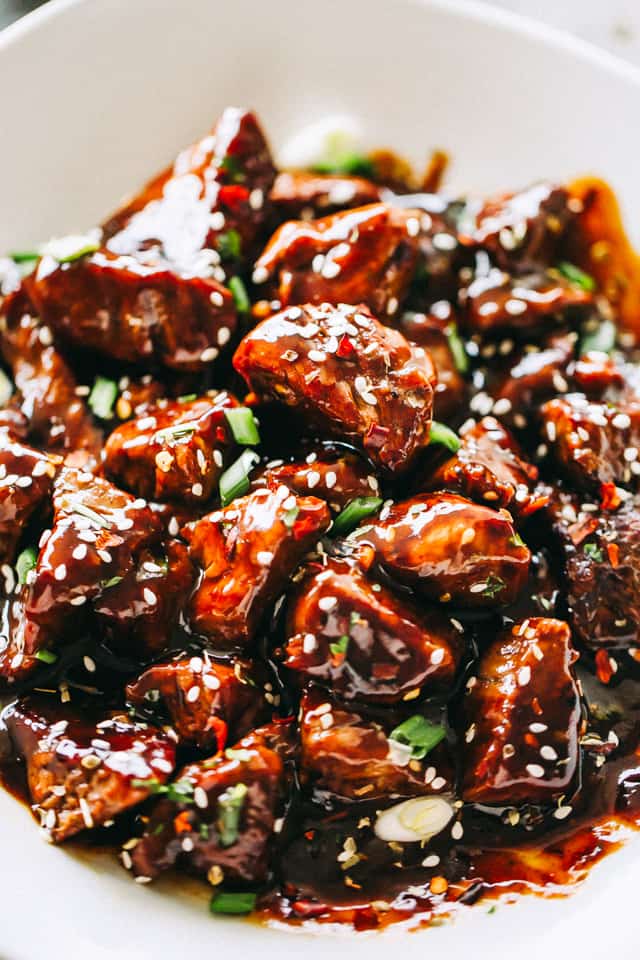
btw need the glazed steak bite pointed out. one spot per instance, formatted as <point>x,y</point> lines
<point>365,642</point>
<point>26,482</point>
<point>81,774</point>
<point>247,552</point>
<point>352,377</point>
<point>450,549</point>
<point>134,312</point>
<point>437,333</point>
<point>298,194</point>
<point>207,211</point>
<point>173,450</point>
<point>535,376</point>
<point>522,717</point>
<point>591,441</point>
<point>209,703</point>
<point>221,820</point>
<point>489,468</point>
<point>337,477</point>
<point>354,758</point>
<point>367,255</point>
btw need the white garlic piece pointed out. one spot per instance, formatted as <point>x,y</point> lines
<point>412,820</point>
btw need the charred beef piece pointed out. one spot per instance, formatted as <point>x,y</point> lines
<point>590,440</point>
<point>209,703</point>
<point>367,255</point>
<point>82,773</point>
<point>522,717</point>
<point>353,758</point>
<point>353,634</point>
<point>489,468</point>
<point>248,552</point>
<point>298,194</point>
<point>219,818</point>
<point>173,450</point>
<point>436,331</point>
<point>450,549</point>
<point>536,376</point>
<point>26,482</point>
<point>352,377</point>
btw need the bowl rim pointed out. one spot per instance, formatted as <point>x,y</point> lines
<point>479,11</point>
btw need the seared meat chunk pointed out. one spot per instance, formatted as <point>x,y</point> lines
<point>598,375</point>
<point>333,475</point>
<point>535,376</point>
<point>525,228</point>
<point>57,416</point>
<point>209,703</point>
<point>348,374</point>
<point>134,312</point>
<point>367,255</point>
<point>497,303</point>
<point>26,482</point>
<point>139,611</point>
<point>590,440</point>
<point>298,194</point>
<point>210,207</point>
<point>353,758</point>
<point>83,773</point>
<point>247,552</point>
<point>489,468</point>
<point>522,717</point>
<point>97,532</point>
<point>173,450</point>
<point>450,549</point>
<point>223,816</point>
<point>351,633</point>
<point>436,331</point>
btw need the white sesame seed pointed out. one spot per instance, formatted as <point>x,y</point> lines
<point>256,199</point>
<point>192,694</point>
<point>89,664</point>
<point>621,421</point>
<point>216,298</point>
<point>209,354</point>
<point>457,830</point>
<point>149,596</point>
<point>330,479</point>
<point>313,478</point>
<point>317,356</point>
<point>524,676</point>
<point>264,557</point>
<point>308,643</point>
<point>431,861</point>
<point>77,601</point>
<point>562,812</point>
<point>80,552</point>
<point>438,783</point>
<point>548,753</point>
<point>217,220</point>
<point>200,798</point>
<point>515,307</point>
<point>174,526</point>
<point>224,335</point>
<point>327,603</point>
<point>437,657</point>
<point>60,571</point>
<point>535,770</point>
<point>260,274</point>
<point>538,727</point>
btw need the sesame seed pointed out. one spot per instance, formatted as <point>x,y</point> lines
<point>431,861</point>
<point>192,694</point>
<point>562,812</point>
<point>77,601</point>
<point>308,643</point>
<point>313,478</point>
<point>524,676</point>
<point>437,657</point>
<point>457,830</point>
<point>217,220</point>
<point>211,681</point>
<point>535,770</point>
<point>260,274</point>
<point>149,596</point>
<point>621,421</point>
<point>515,308</point>
<point>438,783</point>
<point>327,603</point>
<point>470,734</point>
<point>330,479</point>
<point>216,298</point>
<point>256,199</point>
<point>200,798</point>
<point>538,727</point>
<point>548,753</point>
<point>80,552</point>
<point>89,664</point>
<point>174,526</point>
<point>209,354</point>
<point>60,571</point>
<point>317,356</point>
<point>224,335</point>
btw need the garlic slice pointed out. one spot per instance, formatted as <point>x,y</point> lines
<point>413,820</point>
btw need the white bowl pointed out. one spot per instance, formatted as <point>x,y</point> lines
<point>96,96</point>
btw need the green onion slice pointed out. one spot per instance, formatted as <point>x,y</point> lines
<point>340,646</point>
<point>26,562</point>
<point>602,339</point>
<point>354,512</point>
<point>230,804</point>
<point>456,345</point>
<point>236,903</point>
<point>243,426</point>
<point>234,482</point>
<point>102,397</point>
<point>46,656</point>
<point>418,733</point>
<point>229,245</point>
<point>68,249</point>
<point>24,256</point>
<point>444,435</point>
<point>577,277</point>
<point>594,552</point>
<point>240,295</point>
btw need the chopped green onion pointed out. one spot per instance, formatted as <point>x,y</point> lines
<point>240,295</point>
<point>577,277</point>
<point>231,166</point>
<point>456,345</point>
<point>177,431</point>
<point>187,397</point>
<point>594,552</point>
<point>354,512</point>
<point>90,515</point>
<point>234,482</point>
<point>444,435</point>
<point>230,804</point>
<point>420,734</point>
<point>46,656</point>
<point>243,426</point>
<point>113,582</point>
<point>236,903</point>
<point>347,164</point>
<point>68,249</point>
<point>516,540</point>
<point>241,755</point>
<point>340,646</point>
<point>181,791</point>
<point>229,245</point>
<point>493,586</point>
<point>602,339</point>
<point>290,517</point>
<point>102,397</point>
<point>26,562</point>
<point>6,389</point>
<point>24,256</point>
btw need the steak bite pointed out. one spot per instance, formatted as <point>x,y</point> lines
<point>356,636</point>
<point>449,549</point>
<point>81,774</point>
<point>209,703</point>
<point>352,377</point>
<point>97,534</point>
<point>367,255</point>
<point>26,482</point>
<point>536,376</point>
<point>436,332</point>
<point>173,450</point>
<point>522,717</point>
<point>299,194</point>
<point>134,312</point>
<point>489,468</point>
<point>590,441</point>
<point>353,758</point>
<point>218,817</point>
<point>248,552</point>
<point>209,209</point>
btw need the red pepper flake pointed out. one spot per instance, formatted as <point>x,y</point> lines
<point>377,436</point>
<point>309,835</point>
<point>233,196</point>
<point>604,670</point>
<point>536,504</point>
<point>346,348</point>
<point>581,530</point>
<point>613,552</point>
<point>535,706</point>
<point>220,729</point>
<point>251,400</point>
<point>531,740</point>
<point>609,496</point>
<point>307,908</point>
<point>181,823</point>
<point>302,528</point>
